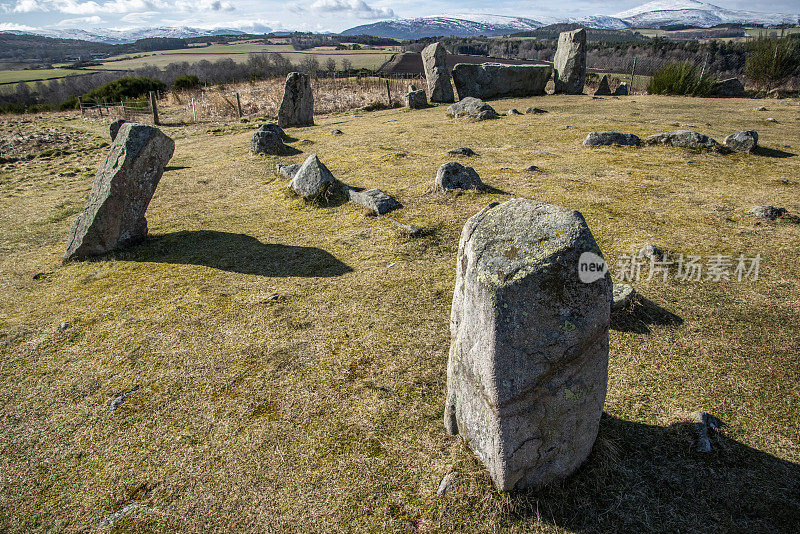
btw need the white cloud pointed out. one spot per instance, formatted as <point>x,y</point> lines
<point>203,5</point>
<point>79,20</point>
<point>139,18</point>
<point>26,6</point>
<point>356,8</point>
<point>91,7</point>
<point>14,27</point>
<point>295,7</point>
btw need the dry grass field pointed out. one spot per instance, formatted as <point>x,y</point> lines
<point>286,362</point>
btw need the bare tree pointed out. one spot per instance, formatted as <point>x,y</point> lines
<point>310,65</point>
<point>330,65</point>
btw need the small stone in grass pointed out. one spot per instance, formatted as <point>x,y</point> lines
<point>461,151</point>
<point>448,483</point>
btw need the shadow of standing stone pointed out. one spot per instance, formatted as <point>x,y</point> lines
<point>123,186</point>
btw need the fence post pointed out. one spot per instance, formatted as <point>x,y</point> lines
<point>238,105</point>
<point>388,93</point>
<point>80,105</point>
<point>154,107</point>
<point>703,70</point>
<point>194,114</point>
<point>122,108</point>
<point>633,72</point>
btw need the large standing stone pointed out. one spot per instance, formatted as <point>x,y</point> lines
<point>528,365</point>
<point>297,106</point>
<point>122,189</point>
<point>569,63</point>
<point>434,61</point>
<point>312,178</point>
<point>493,80</point>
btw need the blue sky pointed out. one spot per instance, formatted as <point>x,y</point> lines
<point>311,15</point>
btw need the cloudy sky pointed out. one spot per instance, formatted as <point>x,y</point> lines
<point>313,15</point>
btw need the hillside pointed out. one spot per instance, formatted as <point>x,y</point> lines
<point>458,26</point>
<point>650,15</point>
<point>693,13</point>
<point>285,362</point>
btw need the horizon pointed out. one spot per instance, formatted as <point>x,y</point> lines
<point>309,15</point>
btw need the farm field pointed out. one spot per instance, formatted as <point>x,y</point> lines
<point>16,76</point>
<point>367,59</point>
<point>286,362</point>
<point>752,31</point>
<point>360,59</point>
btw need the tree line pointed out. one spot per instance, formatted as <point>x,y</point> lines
<point>63,93</point>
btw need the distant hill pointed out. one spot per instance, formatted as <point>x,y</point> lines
<point>693,13</point>
<point>552,31</point>
<point>681,13</point>
<point>127,36</point>
<point>457,26</point>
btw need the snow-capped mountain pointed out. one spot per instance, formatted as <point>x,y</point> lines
<point>457,25</point>
<point>649,15</point>
<point>128,36</point>
<point>694,13</point>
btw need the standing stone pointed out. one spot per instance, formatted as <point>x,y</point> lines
<point>768,212</point>
<point>434,61</point>
<point>122,189</point>
<point>569,63</point>
<point>416,99</point>
<point>287,170</point>
<point>267,140</point>
<point>684,139</point>
<point>742,141</point>
<point>621,90</point>
<point>603,89</point>
<point>312,178</point>
<point>494,80</point>
<point>374,200</point>
<point>453,175</point>
<point>469,106</point>
<point>729,88</point>
<point>528,365</point>
<point>297,106</point>
<point>113,128</point>
<point>611,138</point>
